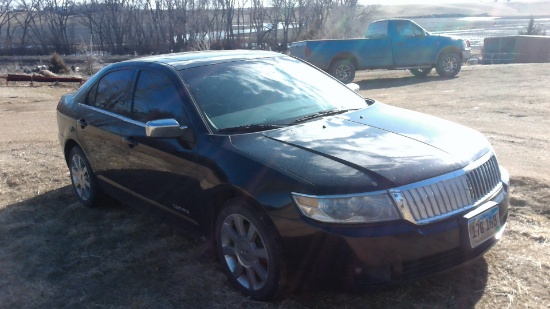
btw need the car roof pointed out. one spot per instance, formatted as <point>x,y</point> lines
<point>187,60</point>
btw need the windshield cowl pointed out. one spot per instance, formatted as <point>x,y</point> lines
<point>321,114</point>
<point>249,128</point>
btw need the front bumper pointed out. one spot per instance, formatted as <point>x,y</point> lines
<point>466,54</point>
<point>387,253</point>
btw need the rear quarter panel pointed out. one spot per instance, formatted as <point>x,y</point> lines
<point>66,121</point>
<point>365,53</point>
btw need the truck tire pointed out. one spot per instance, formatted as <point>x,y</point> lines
<point>343,70</point>
<point>448,64</point>
<point>421,72</point>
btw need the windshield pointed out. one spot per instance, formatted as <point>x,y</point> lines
<point>265,93</point>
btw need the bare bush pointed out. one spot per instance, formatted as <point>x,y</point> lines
<point>57,64</point>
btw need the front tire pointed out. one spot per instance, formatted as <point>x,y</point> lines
<point>448,65</point>
<point>248,250</point>
<point>343,70</point>
<point>83,178</point>
<point>421,72</point>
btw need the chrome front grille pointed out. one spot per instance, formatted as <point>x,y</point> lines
<point>483,179</point>
<point>444,196</point>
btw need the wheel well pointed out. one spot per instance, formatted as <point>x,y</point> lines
<point>452,49</point>
<point>346,56</point>
<point>218,202</point>
<point>68,147</point>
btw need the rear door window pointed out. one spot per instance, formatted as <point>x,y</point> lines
<point>111,93</point>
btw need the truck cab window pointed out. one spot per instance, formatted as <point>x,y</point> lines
<point>377,30</point>
<point>407,29</point>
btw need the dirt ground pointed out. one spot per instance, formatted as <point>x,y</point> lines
<point>56,253</point>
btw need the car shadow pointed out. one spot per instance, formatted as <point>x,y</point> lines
<point>382,83</point>
<point>56,253</point>
<point>460,287</point>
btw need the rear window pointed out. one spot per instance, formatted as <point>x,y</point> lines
<point>377,30</point>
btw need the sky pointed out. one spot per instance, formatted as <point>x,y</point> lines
<point>390,2</point>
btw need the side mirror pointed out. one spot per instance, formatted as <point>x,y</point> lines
<point>354,87</point>
<point>164,128</point>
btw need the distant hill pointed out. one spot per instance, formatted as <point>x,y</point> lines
<point>493,9</point>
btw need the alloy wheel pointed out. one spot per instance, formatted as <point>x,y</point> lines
<point>244,252</point>
<point>80,177</point>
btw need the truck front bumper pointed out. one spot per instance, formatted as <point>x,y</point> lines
<point>466,55</point>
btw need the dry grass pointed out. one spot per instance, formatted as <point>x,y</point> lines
<point>55,253</point>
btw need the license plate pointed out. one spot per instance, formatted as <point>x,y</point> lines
<point>483,226</point>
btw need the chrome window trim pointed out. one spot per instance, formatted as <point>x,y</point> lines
<point>114,115</point>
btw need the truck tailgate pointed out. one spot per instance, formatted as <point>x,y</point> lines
<point>298,49</point>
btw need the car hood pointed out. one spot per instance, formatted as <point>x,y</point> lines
<point>371,149</point>
<point>448,37</point>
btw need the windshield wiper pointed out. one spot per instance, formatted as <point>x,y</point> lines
<point>250,128</point>
<point>322,114</point>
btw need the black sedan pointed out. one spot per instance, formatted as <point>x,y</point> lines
<point>274,160</point>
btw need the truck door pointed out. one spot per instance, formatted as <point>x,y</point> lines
<point>376,50</point>
<point>411,44</point>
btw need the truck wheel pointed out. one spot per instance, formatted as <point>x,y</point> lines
<point>448,65</point>
<point>343,70</point>
<point>421,72</point>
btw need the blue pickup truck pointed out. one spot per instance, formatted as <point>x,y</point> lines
<point>388,44</point>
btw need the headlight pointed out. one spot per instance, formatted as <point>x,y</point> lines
<point>363,208</point>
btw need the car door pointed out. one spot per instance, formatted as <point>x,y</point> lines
<point>100,126</point>
<point>162,171</point>
<point>411,45</point>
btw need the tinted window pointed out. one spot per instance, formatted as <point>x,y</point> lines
<point>111,92</point>
<point>156,97</point>
<point>377,30</point>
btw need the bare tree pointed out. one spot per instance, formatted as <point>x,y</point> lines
<point>315,16</point>
<point>158,26</point>
<point>283,15</point>
<point>258,20</point>
<point>56,17</point>
<point>347,19</point>
<point>6,16</point>
<point>204,26</point>
<point>32,23</point>
<point>242,29</point>
<point>117,22</point>
<point>228,13</point>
